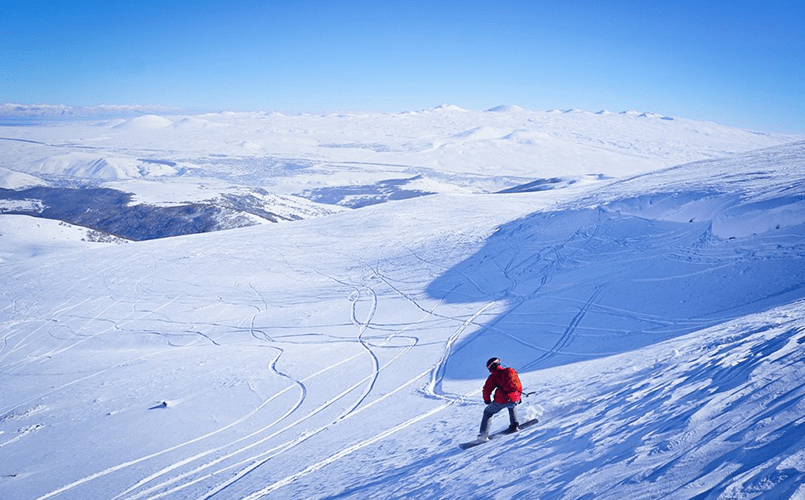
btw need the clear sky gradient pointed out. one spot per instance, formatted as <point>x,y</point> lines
<point>734,62</point>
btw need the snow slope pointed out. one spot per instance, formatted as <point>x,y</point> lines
<point>657,316</point>
<point>23,237</point>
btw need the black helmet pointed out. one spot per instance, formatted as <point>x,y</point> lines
<point>492,363</point>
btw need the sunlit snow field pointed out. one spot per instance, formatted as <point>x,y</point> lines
<point>325,337</point>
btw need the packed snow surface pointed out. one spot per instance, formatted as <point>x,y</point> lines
<point>644,274</point>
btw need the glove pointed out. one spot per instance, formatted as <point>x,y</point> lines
<point>487,401</point>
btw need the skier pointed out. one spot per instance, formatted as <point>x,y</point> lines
<point>508,389</point>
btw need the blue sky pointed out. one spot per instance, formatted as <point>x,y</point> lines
<point>736,62</point>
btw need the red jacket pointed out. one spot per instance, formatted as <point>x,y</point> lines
<point>507,383</point>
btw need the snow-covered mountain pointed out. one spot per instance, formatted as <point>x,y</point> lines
<point>645,275</point>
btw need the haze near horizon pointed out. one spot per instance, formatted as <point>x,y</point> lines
<point>731,63</point>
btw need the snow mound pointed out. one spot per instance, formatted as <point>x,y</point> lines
<point>447,107</point>
<point>145,122</point>
<point>506,108</point>
<point>192,123</point>
<point>646,114</point>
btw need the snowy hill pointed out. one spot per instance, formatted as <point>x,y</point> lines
<point>655,308</point>
<point>15,180</point>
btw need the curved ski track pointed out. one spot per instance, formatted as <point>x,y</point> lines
<point>249,463</point>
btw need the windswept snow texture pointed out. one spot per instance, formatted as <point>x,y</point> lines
<point>655,307</point>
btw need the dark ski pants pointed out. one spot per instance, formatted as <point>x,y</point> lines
<point>493,408</point>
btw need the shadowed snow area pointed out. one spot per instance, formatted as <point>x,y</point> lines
<point>653,301</point>
<point>607,275</point>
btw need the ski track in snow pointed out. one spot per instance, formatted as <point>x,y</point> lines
<point>343,453</point>
<point>437,375</point>
<point>567,336</point>
<point>256,460</point>
<point>362,327</point>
